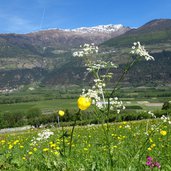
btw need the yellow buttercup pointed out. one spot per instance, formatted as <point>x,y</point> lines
<point>61,113</point>
<point>83,102</point>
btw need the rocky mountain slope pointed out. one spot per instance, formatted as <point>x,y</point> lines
<point>39,42</point>
<point>46,56</point>
<point>44,48</point>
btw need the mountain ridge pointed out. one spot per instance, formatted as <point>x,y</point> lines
<point>153,31</point>
<point>46,56</point>
<point>46,42</point>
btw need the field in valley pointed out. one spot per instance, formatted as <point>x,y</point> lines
<point>52,99</point>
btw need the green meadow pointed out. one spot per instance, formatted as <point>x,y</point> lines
<point>126,147</point>
<point>96,145</point>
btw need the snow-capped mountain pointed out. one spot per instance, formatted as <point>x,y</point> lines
<point>45,55</point>
<point>60,39</point>
<point>69,38</point>
<point>100,28</point>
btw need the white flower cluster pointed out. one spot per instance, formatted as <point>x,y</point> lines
<point>98,99</point>
<point>96,93</point>
<point>152,114</point>
<point>128,126</point>
<point>108,75</point>
<point>87,50</point>
<point>99,84</point>
<point>97,96</point>
<point>139,50</point>
<point>93,94</point>
<point>116,104</point>
<point>166,119</point>
<point>44,135</point>
<point>154,127</point>
<point>99,65</point>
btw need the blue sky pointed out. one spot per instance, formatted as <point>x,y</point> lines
<point>23,16</point>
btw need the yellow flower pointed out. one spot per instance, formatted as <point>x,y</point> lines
<point>10,147</point>
<point>153,145</point>
<point>57,148</point>
<point>15,142</point>
<point>83,102</point>
<point>2,141</point>
<point>61,113</point>
<point>45,149</point>
<point>163,132</point>
<point>35,149</point>
<point>53,145</point>
<point>85,149</point>
<point>151,140</point>
<point>56,153</point>
<point>30,152</point>
<point>149,149</point>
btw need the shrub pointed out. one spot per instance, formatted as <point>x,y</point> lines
<point>33,113</point>
<point>166,105</point>
<point>134,107</point>
<point>13,119</point>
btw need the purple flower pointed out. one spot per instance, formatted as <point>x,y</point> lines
<point>151,163</point>
<point>149,158</point>
<point>157,165</point>
<point>148,163</point>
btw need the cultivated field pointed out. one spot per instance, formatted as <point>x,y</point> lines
<point>51,99</point>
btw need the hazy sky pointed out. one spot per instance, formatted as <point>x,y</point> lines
<point>23,16</point>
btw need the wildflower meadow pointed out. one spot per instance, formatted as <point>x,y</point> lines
<point>108,146</point>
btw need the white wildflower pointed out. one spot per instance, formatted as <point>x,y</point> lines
<point>44,135</point>
<point>165,118</point>
<point>118,111</point>
<point>127,126</point>
<point>139,50</point>
<point>152,114</point>
<point>86,50</point>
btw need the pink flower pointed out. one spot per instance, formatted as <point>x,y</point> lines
<point>149,158</point>
<point>157,165</point>
<point>148,163</point>
<point>151,163</point>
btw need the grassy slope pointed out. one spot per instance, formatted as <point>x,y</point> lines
<point>126,40</point>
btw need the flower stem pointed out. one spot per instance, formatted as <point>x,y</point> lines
<point>108,144</point>
<point>63,139</point>
<point>72,131</point>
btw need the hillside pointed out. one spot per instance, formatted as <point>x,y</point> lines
<point>45,48</point>
<point>45,42</point>
<point>151,33</point>
<point>45,57</point>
